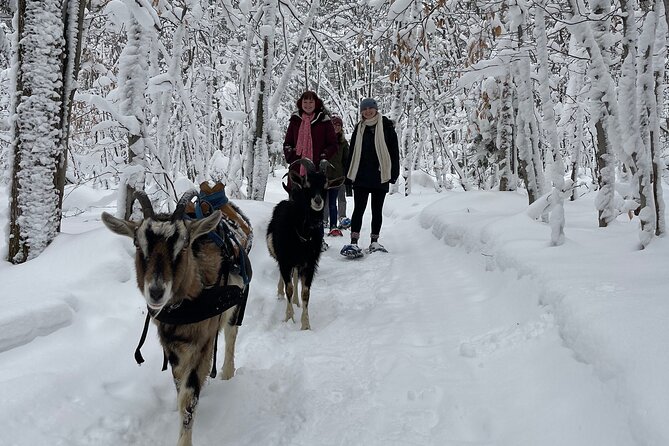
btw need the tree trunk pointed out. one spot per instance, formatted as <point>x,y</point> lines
<point>557,166</point>
<point>656,152</point>
<point>257,178</point>
<point>37,147</point>
<point>505,143</point>
<point>132,81</point>
<point>73,22</point>
<point>648,119</point>
<point>407,149</point>
<point>604,109</point>
<point>605,175</point>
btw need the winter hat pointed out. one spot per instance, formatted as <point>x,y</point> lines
<point>336,120</point>
<point>368,103</point>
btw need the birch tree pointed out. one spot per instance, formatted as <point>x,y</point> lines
<point>648,125</point>
<point>660,57</point>
<point>573,116</point>
<point>527,134</point>
<point>258,161</point>
<point>603,109</point>
<point>132,86</point>
<point>556,197</point>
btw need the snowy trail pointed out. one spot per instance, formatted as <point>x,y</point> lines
<point>392,359</point>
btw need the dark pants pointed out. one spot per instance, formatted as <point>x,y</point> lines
<point>360,198</point>
<point>332,206</point>
<point>341,202</point>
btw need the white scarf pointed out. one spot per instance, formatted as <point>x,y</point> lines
<point>379,145</point>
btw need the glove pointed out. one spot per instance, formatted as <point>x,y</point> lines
<point>349,189</point>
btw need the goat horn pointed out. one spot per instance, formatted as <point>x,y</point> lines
<point>306,162</point>
<point>147,207</point>
<point>181,204</point>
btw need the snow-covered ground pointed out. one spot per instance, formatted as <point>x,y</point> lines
<point>473,330</point>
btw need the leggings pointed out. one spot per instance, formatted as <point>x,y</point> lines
<point>360,197</point>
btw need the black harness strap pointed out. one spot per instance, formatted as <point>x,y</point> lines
<point>210,303</point>
<point>138,353</point>
<point>164,361</point>
<point>226,268</point>
<point>212,374</point>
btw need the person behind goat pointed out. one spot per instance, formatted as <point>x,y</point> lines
<point>309,135</point>
<point>335,170</point>
<point>372,164</point>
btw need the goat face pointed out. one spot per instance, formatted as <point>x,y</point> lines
<point>311,188</point>
<point>164,260</point>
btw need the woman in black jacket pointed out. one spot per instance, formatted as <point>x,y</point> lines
<point>373,163</point>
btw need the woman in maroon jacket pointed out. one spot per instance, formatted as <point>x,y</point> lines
<point>310,133</point>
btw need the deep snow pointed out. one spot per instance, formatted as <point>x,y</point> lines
<point>472,330</point>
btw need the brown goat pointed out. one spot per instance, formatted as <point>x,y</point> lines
<point>176,265</point>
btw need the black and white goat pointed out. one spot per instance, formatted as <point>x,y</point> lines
<point>295,235</point>
<point>178,267</point>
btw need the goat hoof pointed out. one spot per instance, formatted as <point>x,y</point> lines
<point>227,374</point>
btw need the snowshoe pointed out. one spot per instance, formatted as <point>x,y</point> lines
<point>376,247</point>
<point>334,232</point>
<point>351,251</point>
<point>345,223</point>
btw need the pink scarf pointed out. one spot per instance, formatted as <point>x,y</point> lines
<point>305,146</point>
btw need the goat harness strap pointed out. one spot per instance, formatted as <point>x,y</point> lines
<point>211,302</point>
<point>138,354</point>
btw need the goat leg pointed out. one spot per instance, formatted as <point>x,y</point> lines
<point>191,368</point>
<point>289,305</point>
<point>189,394</point>
<point>286,275</point>
<point>280,288</point>
<point>296,301</point>
<point>230,334</point>
<point>305,306</point>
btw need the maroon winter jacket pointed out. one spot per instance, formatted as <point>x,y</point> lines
<point>323,139</point>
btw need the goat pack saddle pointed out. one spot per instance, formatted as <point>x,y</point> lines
<point>213,198</point>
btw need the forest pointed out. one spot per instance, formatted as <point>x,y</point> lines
<point>554,98</point>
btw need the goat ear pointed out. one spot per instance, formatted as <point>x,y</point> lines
<point>331,184</point>
<point>205,225</point>
<point>119,226</point>
<point>296,179</point>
